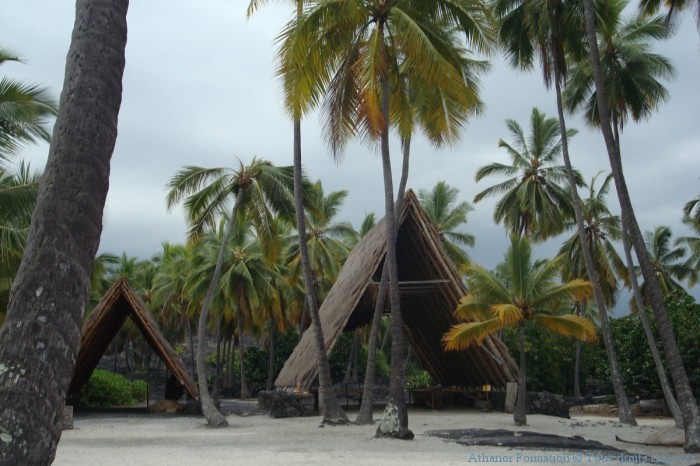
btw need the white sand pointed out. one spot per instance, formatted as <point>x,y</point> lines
<point>140,439</point>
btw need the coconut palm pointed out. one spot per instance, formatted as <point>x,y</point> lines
<point>651,7</point>
<point>25,111</point>
<point>533,201</point>
<point>686,400</point>
<point>531,294</point>
<point>367,53</point>
<point>257,191</point>
<point>326,239</point>
<point>552,30</point>
<point>692,242</point>
<point>41,334</point>
<point>447,216</point>
<point>669,267</point>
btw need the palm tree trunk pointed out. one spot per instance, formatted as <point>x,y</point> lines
<point>646,325</point>
<point>245,391</point>
<point>577,361</point>
<point>40,338</point>
<point>211,413</point>
<point>364,416</point>
<point>520,412</point>
<point>352,357</point>
<point>333,412</point>
<point>217,376</point>
<point>190,336</point>
<point>271,367</point>
<point>623,405</point>
<point>686,399</point>
<point>397,399</point>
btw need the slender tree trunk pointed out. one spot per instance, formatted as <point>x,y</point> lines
<point>40,338</point>
<point>397,398</point>
<point>211,413</point>
<point>333,412</point>
<point>623,405</point>
<point>364,416</point>
<point>190,337</point>
<point>686,399</point>
<point>577,363</point>
<point>520,412</point>
<point>217,377</point>
<point>302,322</point>
<point>658,360</point>
<point>245,391</point>
<point>352,357</point>
<point>271,367</point>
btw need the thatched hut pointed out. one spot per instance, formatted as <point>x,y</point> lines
<point>430,291</point>
<point>118,304</point>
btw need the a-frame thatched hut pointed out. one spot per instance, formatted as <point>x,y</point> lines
<point>119,303</point>
<point>430,291</point>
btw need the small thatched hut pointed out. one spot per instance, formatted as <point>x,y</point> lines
<point>119,303</point>
<point>430,291</point>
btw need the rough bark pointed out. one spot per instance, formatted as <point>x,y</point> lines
<point>396,387</point>
<point>686,400</point>
<point>623,405</point>
<point>333,412</point>
<point>520,412</point>
<point>364,416</point>
<point>41,334</point>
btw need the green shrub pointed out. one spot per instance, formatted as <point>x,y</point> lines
<point>419,380</point>
<point>107,389</point>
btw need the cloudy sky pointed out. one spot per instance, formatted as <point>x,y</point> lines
<point>199,88</point>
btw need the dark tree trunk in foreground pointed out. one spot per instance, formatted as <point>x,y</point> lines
<point>686,399</point>
<point>397,399</point>
<point>520,412</point>
<point>41,335</point>
<point>364,416</point>
<point>623,405</point>
<point>271,366</point>
<point>332,411</point>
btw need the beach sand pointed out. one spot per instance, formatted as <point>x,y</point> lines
<point>162,439</point>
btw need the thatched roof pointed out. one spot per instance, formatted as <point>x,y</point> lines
<point>102,326</point>
<point>430,291</point>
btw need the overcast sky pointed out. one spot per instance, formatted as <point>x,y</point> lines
<point>199,88</point>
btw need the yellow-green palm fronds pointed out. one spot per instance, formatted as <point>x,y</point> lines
<point>462,336</point>
<point>569,325</point>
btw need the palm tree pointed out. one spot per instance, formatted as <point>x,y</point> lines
<point>258,190</point>
<point>25,110</point>
<point>692,219</point>
<point>600,226</point>
<point>651,7</point>
<point>552,30</point>
<point>40,338</point>
<point>669,267</point>
<point>360,50</point>
<point>326,240</point>
<point>447,216</point>
<point>533,202</point>
<point>686,400</point>
<point>531,294</point>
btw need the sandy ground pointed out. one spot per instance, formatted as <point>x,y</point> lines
<point>162,439</point>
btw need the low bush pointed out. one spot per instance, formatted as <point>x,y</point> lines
<point>107,390</point>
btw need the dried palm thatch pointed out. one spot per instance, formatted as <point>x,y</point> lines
<point>430,291</point>
<point>119,303</point>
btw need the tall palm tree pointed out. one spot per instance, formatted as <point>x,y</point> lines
<point>447,216</point>
<point>551,29</point>
<point>257,191</point>
<point>25,111</point>
<point>40,338</point>
<point>367,52</point>
<point>533,201</point>
<point>686,400</point>
<point>530,294</point>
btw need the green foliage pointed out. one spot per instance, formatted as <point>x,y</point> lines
<point>634,356</point>
<point>107,389</point>
<point>421,379</point>
<point>338,359</point>
<point>550,358</point>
